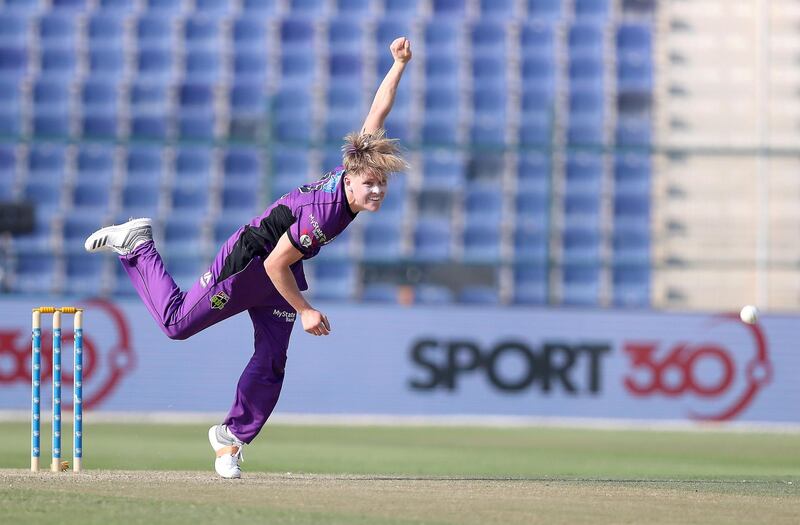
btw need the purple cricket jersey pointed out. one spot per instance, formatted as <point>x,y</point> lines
<point>312,216</point>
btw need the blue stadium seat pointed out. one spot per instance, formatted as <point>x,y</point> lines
<point>539,74</point>
<point>432,240</point>
<point>10,110</point>
<point>346,67</point>
<point>58,30</point>
<point>489,102</point>
<point>592,10</point>
<point>218,8</point>
<point>534,171</point>
<point>634,131</point>
<point>308,8</point>
<point>202,65</point>
<point>155,64</point>
<point>489,71</point>
<point>291,162</point>
<point>250,66</point>
<point>443,72</point>
<point>346,34</point>
<point>632,174</point>
<point>635,74</point>
<point>531,243</point>
<point>581,285</point>
<point>634,39</point>
<point>345,99</point>
<point>389,28</point>
<point>631,244</point>
<point>631,210</point>
<point>536,39</point>
<point>481,243</point>
<point>380,293</point>
<point>46,196</point>
<point>145,164</point>
<point>355,8</point>
<point>34,273</point>
<point>51,95</point>
<point>154,30</point>
<point>95,162</point>
<point>530,284</point>
<point>193,166</point>
<point>107,61</point>
<point>443,37</point>
<point>51,123</point>
<point>47,162</point>
<point>483,204</point>
<point>202,32</point>
<point>260,8</point>
<point>183,235</point>
<point>58,63</point>
<point>150,126</point>
<point>105,28</point>
<point>14,29</point>
<point>582,210</point>
<point>184,269</point>
<point>40,240</point>
<point>488,133</point>
<point>77,227</point>
<point>140,199</point>
<point>442,104</point>
<point>149,96</point>
<point>549,10</point>
<point>631,286</point>
<point>93,198</point>
<point>190,201</point>
<point>249,33</point>
<point>443,169</point>
<point>586,74</point>
<point>117,7</point>
<point>448,8</point>
<point>581,245</point>
<point>334,280</point>
<point>488,38</point>
<point>195,95</point>
<point>584,173</point>
<point>241,199</point>
<point>336,127</point>
<point>532,208</point>
<point>99,94</point>
<point>479,295</point>
<point>298,69</point>
<point>84,273</point>
<point>13,62</point>
<point>382,242</point>
<point>243,166</point>
<point>585,39</point>
<point>402,8</point>
<point>68,6</point>
<point>297,34</point>
<point>498,9</point>
<point>341,247</point>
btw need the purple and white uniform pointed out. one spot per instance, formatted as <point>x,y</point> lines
<point>312,215</point>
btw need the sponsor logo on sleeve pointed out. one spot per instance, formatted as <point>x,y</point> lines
<point>305,241</point>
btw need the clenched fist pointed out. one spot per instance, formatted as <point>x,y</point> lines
<point>401,49</point>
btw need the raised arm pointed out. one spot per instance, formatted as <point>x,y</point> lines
<point>384,97</point>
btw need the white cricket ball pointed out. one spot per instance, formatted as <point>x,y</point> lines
<point>749,314</point>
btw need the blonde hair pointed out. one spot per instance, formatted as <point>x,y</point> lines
<point>372,152</point>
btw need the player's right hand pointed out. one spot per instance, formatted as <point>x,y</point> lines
<point>315,322</point>
<point>401,49</point>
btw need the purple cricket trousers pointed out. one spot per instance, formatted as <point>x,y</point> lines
<point>182,314</point>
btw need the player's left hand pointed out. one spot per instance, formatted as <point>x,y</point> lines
<point>401,49</point>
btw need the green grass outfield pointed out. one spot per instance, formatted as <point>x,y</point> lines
<point>146,473</point>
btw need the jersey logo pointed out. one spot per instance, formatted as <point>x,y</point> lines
<point>305,241</point>
<point>219,300</point>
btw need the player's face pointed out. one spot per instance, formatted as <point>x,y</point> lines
<point>367,192</point>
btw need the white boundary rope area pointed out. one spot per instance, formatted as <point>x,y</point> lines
<point>282,418</point>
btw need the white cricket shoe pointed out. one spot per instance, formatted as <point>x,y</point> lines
<point>122,238</point>
<point>228,451</point>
